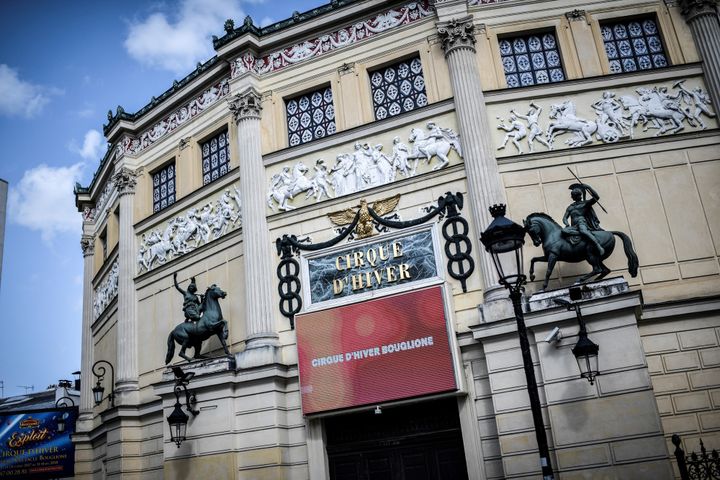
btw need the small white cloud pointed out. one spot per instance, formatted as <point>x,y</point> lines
<point>43,200</point>
<point>266,21</point>
<point>177,41</point>
<point>21,98</point>
<point>92,146</point>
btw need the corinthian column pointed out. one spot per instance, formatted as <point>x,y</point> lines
<point>483,180</point>
<point>262,338</point>
<point>87,245</point>
<point>127,348</point>
<point>702,16</point>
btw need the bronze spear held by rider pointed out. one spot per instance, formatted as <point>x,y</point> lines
<point>581,183</point>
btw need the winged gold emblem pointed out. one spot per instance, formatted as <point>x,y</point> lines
<point>364,227</point>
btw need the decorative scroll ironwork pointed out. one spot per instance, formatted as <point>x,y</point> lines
<point>164,187</point>
<point>531,60</point>
<point>310,116</point>
<point>215,157</point>
<point>696,467</point>
<point>633,45</point>
<point>455,231</point>
<point>398,88</point>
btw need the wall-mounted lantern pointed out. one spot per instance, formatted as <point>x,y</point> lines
<point>585,350</point>
<point>98,390</point>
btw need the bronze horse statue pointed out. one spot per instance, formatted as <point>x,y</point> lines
<point>543,230</point>
<point>192,334</point>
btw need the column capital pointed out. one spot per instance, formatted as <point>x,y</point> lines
<point>87,245</point>
<point>125,181</point>
<point>695,8</point>
<point>457,33</point>
<point>245,105</point>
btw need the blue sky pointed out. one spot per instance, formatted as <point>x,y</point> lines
<point>63,65</point>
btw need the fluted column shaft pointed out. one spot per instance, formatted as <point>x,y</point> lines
<point>483,179</point>
<point>127,341</point>
<point>258,307</point>
<point>86,356</point>
<point>702,16</point>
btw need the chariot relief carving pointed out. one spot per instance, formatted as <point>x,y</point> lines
<point>617,116</point>
<point>367,166</point>
<point>188,231</point>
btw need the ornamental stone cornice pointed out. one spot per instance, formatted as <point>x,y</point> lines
<point>576,15</point>
<point>692,9</point>
<point>125,181</point>
<point>87,245</point>
<point>246,105</point>
<point>458,33</point>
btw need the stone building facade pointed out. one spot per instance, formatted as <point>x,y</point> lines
<point>290,129</point>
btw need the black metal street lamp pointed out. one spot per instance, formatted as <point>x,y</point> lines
<point>178,419</point>
<point>585,350</point>
<point>61,402</point>
<point>98,390</point>
<point>504,239</point>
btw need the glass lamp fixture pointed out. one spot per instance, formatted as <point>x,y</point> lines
<point>504,239</point>
<point>178,421</point>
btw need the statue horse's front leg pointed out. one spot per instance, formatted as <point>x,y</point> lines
<point>222,335</point>
<point>551,261</point>
<point>532,265</point>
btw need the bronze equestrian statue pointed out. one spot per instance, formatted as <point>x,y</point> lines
<point>191,333</point>
<point>582,239</point>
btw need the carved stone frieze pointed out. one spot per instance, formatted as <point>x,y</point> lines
<point>329,42</point>
<point>89,213</point>
<point>184,233</point>
<point>125,181</point>
<point>131,145</point>
<point>365,167</point>
<point>246,105</point>
<point>87,245</point>
<point>104,197</point>
<point>475,3</point>
<point>617,117</point>
<point>457,33</point>
<point>106,291</point>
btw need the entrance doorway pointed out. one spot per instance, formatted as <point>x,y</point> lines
<point>420,441</point>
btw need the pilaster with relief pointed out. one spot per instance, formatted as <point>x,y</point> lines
<point>483,179</point>
<point>262,340</point>
<point>125,181</point>
<point>87,244</point>
<point>702,16</point>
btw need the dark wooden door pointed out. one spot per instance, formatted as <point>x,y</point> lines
<point>415,442</point>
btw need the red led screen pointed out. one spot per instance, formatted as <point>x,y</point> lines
<point>374,351</point>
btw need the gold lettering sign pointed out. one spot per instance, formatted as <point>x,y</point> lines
<point>372,266</point>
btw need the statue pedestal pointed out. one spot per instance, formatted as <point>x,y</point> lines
<point>202,367</point>
<point>590,291</point>
<point>610,429</point>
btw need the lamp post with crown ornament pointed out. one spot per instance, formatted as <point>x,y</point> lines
<point>504,239</point>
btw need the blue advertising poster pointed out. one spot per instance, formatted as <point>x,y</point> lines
<point>31,447</point>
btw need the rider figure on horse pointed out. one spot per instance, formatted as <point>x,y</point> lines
<point>582,218</point>
<point>191,302</point>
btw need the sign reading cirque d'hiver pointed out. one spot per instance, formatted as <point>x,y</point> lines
<point>372,266</point>
<point>31,445</point>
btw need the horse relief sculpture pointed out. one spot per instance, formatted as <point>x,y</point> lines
<point>615,118</point>
<point>201,322</point>
<point>582,238</point>
<point>186,232</point>
<point>365,167</point>
<point>106,291</point>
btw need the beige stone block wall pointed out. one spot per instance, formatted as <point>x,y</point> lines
<point>664,195</point>
<point>683,356</point>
